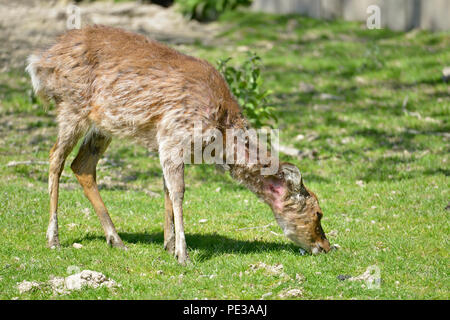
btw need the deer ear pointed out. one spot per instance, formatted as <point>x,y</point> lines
<point>291,175</point>
<point>293,178</point>
<point>288,180</point>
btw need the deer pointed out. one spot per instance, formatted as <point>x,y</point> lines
<point>107,82</point>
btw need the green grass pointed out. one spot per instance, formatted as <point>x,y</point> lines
<point>396,220</point>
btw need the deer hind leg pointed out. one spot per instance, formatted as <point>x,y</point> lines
<point>169,227</point>
<point>68,136</point>
<point>84,167</point>
<point>174,179</point>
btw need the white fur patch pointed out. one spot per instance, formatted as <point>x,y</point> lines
<point>284,226</point>
<point>52,229</point>
<point>31,68</point>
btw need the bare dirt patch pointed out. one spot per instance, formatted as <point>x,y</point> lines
<point>29,25</point>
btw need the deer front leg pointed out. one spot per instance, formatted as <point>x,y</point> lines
<point>67,139</point>
<point>169,227</point>
<point>174,179</point>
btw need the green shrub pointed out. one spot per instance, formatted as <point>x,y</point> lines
<point>207,10</point>
<point>246,84</point>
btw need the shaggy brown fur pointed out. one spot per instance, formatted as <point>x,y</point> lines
<point>108,82</point>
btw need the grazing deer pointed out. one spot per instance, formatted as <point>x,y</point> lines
<point>108,82</point>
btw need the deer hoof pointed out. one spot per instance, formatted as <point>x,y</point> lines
<point>53,243</point>
<point>183,258</point>
<point>115,242</point>
<point>169,246</point>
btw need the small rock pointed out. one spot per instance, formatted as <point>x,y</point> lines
<point>343,277</point>
<point>333,233</point>
<point>294,152</point>
<point>367,276</point>
<point>446,74</point>
<point>347,140</point>
<point>360,80</point>
<point>292,293</point>
<point>304,87</point>
<point>265,295</point>
<point>327,96</point>
<point>312,136</point>
<point>335,247</point>
<point>77,245</point>
<point>152,194</point>
<point>242,49</point>
<point>290,151</point>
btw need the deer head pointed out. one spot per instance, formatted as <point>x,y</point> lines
<point>296,208</point>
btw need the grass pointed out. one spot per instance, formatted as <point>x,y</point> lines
<point>381,174</point>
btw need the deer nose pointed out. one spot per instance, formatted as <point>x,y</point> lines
<point>324,245</point>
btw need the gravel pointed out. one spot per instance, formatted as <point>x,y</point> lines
<point>77,281</point>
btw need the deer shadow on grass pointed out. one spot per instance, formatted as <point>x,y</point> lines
<point>209,245</point>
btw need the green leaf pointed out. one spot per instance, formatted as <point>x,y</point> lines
<point>246,84</point>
